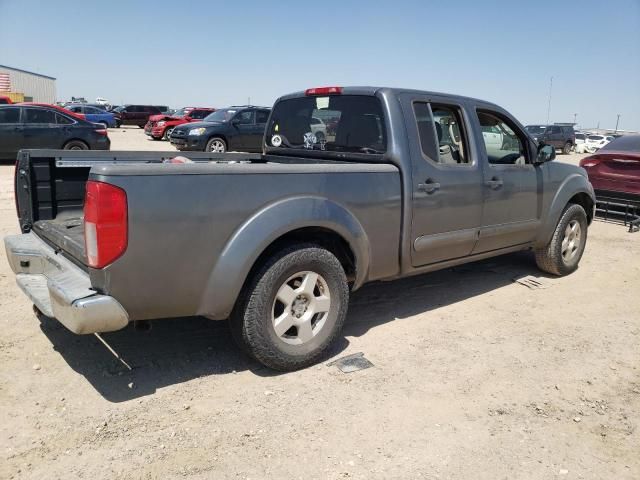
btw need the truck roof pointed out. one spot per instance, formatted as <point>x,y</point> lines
<point>393,91</point>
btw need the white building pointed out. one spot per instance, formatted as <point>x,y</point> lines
<point>35,86</point>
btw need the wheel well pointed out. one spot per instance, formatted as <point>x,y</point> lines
<point>323,237</point>
<point>585,202</point>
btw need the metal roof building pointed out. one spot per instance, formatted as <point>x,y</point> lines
<point>35,86</point>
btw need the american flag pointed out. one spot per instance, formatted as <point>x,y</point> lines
<point>5,82</point>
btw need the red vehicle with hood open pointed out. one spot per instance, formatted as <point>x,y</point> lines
<point>159,127</point>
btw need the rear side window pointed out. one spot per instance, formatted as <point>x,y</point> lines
<point>10,115</point>
<point>35,115</point>
<point>262,116</point>
<point>346,123</point>
<point>441,133</point>
<point>63,120</point>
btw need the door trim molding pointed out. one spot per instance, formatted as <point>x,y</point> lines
<point>426,242</point>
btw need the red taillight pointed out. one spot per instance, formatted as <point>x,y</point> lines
<point>323,91</point>
<point>105,223</point>
<point>101,131</point>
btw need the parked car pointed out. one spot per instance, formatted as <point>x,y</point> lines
<point>595,142</point>
<point>228,129</point>
<point>93,114</point>
<point>4,100</point>
<point>134,114</point>
<point>277,241</point>
<point>160,126</point>
<point>46,126</point>
<point>102,101</point>
<point>614,171</point>
<point>559,136</point>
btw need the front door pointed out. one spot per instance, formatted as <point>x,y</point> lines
<point>511,185</point>
<point>11,131</point>
<point>446,181</point>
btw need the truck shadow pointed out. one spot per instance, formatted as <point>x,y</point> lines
<point>183,349</point>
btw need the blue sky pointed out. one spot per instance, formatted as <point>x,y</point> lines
<point>219,53</point>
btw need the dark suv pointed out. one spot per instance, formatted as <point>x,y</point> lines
<point>227,129</point>
<point>135,114</point>
<point>559,136</point>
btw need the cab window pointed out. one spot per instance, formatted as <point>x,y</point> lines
<point>503,145</point>
<point>442,136</point>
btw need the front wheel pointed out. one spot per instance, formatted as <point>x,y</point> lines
<point>293,308</point>
<point>563,253</point>
<point>167,134</point>
<point>216,145</point>
<point>567,148</point>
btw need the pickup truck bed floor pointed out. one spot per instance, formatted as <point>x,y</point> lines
<point>67,233</point>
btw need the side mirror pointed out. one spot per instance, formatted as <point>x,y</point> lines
<point>546,153</point>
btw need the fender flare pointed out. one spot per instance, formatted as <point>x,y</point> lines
<point>259,231</point>
<point>571,186</point>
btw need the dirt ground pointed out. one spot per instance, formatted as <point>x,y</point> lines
<point>474,377</point>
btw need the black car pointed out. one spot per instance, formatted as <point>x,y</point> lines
<point>42,126</point>
<point>227,129</point>
<point>559,136</point>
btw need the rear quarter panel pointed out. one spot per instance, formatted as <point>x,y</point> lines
<point>183,217</point>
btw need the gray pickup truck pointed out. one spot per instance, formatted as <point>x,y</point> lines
<point>354,184</point>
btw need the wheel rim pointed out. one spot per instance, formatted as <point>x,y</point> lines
<point>76,147</point>
<point>216,146</point>
<point>301,308</point>
<point>571,241</point>
<point>168,134</point>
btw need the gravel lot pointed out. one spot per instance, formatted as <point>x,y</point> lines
<point>475,377</point>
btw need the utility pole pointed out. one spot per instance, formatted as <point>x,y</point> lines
<point>617,122</point>
<point>575,117</point>
<point>248,100</point>
<point>549,106</point>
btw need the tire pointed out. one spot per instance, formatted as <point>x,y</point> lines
<point>75,145</point>
<point>216,145</point>
<point>304,287</point>
<point>104,124</point>
<point>167,133</point>
<point>118,124</point>
<point>558,257</point>
<point>566,149</point>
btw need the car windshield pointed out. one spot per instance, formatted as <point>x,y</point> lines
<point>118,109</point>
<point>222,115</point>
<point>626,143</point>
<point>535,129</point>
<point>180,112</point>
<point>595,137</point>
<point>347,123</point>
<point>580,136</point>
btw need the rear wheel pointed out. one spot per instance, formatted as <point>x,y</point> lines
<point>216,145</point>
<point>567,148</point>
<point>76,145</point>
<point>293,308</point>
<point>563,253</point>
<point>104,124</point>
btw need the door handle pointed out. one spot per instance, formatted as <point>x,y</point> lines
<point>494,183</point>
<point>429,186</point>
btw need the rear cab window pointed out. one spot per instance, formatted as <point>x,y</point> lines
<point>344,124</point>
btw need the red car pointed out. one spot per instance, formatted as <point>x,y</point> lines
<point>160,126</point>
<point>4,100</point>
<point>614,171</point>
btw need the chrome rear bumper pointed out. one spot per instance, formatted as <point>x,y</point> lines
<point>60,289</point>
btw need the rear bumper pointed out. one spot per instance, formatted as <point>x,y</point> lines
<point>60,289</point>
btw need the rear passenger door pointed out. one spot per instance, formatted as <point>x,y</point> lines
<point>244,125</point>
<point>446,180</point>
<point>512,185</point>
<point>40,128</point>
<point>258,131</point>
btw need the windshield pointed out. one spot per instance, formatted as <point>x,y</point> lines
<point>180,112</point>
<point>626,143</point>
<point>337,123</point>
<point>118,109</point>
<point>595,137</point>
<point>222,115</point>
<point>535,129</point>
